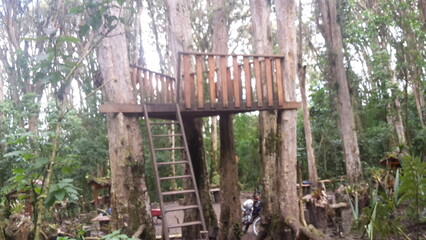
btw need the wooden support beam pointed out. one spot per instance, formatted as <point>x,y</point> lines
<point>187,81</point>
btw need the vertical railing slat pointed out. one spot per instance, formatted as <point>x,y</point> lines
<point>187,81</point>
<point>230,85</point>
<point>141,80</point>
<point>280,89</point>
<point>157,88</point>
<point>150,89</point>
<point>163,89</point>
<point>211,81</point>
<point>258,82</point>
<point>133,78</point>
<point>247,74</point>
<point>200,87</point>
<point>237,80</point>
<point>172,89</point>
<point>138,81</point>
<point>268,71</point>
<point>224,81</point>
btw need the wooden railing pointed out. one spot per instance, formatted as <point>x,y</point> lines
<point>153,87</point>
<point>208,81</point>
<point>230,81</point>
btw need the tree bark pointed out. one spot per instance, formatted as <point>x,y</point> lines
<point>422,7</point>
<point>330,29</point>
<point>193,131</point>
<point>214,165</point>
<point>230,216</point>
<point>180,39</point>
<point>312,168</point>
<point>230,211</point>
<point>287,144</point>
<point>129,197</point>
<point>40,209</point>
<point>260,15</point>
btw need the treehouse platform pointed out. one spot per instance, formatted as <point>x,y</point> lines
<point>209,84</point>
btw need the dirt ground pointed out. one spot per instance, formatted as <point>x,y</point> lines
<point>178,217</point>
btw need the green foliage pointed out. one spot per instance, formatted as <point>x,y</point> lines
<point>63,190</point>
<point>17,207</point>
<point>413,186</point>
<point>247,149</point>
<point>117,236</point>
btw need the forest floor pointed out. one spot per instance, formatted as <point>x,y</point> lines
<point>178,217</point>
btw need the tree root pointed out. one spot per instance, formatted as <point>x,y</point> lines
<point>139,231</point>
<point>301,231</point>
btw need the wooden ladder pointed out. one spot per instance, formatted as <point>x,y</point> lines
<point>156,150</point>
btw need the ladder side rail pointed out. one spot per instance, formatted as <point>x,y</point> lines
<point>194,183</point>
<point>157,180</point>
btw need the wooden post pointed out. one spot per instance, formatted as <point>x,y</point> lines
<point>187,81</point>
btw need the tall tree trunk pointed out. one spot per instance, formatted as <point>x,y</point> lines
<point>40,209</point>
<point>287,143</point>
<point>214,165</point>
<point>422,8</point>
<point>2,98</point>
<point>260,17</point>
<point>129,197</point>
<point>193,130</point>
<point>312,167</point>
<point>180,39</point>
<point>330,29</point>
<point>230,211</point>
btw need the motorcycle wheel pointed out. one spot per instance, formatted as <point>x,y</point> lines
<point>256,226</point>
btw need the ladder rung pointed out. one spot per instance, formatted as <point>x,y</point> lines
<point>171,163</point>
<point>168,149</point>
<point>181,208</point>
<point>177,192</point>
<point>175,177</point>
<point>167,135</point>
<point>185,224</point>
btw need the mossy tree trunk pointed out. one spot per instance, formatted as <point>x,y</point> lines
<point>336,75</point>
<point>230,211</point>
<point>129,197</point>
<point>193,132</point>
<point>287,119</point>
<point>180,39</point>
<point>260,11</point>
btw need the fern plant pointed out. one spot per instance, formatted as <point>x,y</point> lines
<point>413,187</point>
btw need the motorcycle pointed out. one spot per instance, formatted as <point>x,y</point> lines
<point>251,216</point>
